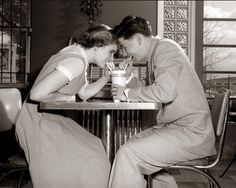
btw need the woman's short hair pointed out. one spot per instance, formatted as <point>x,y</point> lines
<point>131,25</point>
<point>98,35</point>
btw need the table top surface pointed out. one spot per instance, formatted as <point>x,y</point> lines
<point>99,105</point>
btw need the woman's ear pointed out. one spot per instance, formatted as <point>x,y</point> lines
<point>139,38</point>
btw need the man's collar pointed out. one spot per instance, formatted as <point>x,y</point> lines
<point>151,47</point>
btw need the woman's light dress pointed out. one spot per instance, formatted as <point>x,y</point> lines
<point>60,153</point>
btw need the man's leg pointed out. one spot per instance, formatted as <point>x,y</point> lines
<point>146,153</point>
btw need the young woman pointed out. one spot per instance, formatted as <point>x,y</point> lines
<point>60,153</point>
<point>184,128</point>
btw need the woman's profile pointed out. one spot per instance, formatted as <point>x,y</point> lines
<point>60,153</point>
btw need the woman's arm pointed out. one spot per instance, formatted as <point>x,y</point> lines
<point>89,90</point>
<point>47,88</point>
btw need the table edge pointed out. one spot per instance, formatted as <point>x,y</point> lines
<point>99,106</point>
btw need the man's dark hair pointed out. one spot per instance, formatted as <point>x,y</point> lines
<point>131,25</point>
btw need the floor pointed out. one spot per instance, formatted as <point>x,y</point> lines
<point>185,179</point>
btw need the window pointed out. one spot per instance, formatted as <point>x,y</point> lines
<point>219,46</point>
<point>214,41</point>
<point>15,42</point>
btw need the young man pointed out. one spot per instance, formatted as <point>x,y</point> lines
<point>184,128</point>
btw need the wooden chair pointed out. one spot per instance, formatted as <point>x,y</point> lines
<point>10,105</point>
<point>219,113</point>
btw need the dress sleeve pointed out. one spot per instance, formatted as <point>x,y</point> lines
<point>71,67</point>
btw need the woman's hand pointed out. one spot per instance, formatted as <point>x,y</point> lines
<point>117,92</point>
<point>106,72</point>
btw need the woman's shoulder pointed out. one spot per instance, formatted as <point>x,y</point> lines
<point>74,53</point>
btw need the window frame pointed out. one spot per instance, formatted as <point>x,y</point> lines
<point>199,58</point>
<point>20,29</point>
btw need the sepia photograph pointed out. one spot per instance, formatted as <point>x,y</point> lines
<point>117,94</point>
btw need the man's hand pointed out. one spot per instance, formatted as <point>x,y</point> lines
<point>118,92</point>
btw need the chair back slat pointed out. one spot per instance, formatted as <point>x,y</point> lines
<point>10,105</point>
<point>219,111</point>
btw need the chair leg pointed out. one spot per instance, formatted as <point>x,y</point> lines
<point>229,165</point>
<point>212,181</point>
<point>5,174</point>
<point>20,179</point>
<point>12,171</point>
<point>149,181</point>
<point>211,185</point>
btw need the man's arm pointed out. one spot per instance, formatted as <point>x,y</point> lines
<point>167,67</point>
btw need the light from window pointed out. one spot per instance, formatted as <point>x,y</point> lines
<point>14,41</point>
<point>219,46</point>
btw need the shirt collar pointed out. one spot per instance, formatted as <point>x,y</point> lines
<point>152,47</point>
